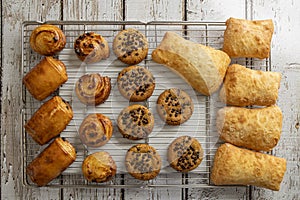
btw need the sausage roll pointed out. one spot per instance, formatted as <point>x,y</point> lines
<point>49,120</point>
<point>201,66</point>
<point>248,38</point>
<point>50,163</point>
<point>237,166</point>
<point>258,129</point>
<point>245,87</point>
<point>47,39</point>
<point>45,78</point>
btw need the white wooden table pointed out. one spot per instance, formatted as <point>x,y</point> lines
<point>285,58</point>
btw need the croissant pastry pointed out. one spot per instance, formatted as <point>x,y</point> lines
<point>91,47</point>
<point>45,77</point>
<point>47,39</point>
<point>93,89</point>
<point>49,120</point>
<point>95,130</point>
<point>50,163</point>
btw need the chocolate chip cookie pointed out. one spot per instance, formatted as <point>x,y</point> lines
<point>185,153</point>
<point>174,106</point>
<point>143,162</point>
<point>135,122</point>
<point>136,83</point>
<point>130,46</point>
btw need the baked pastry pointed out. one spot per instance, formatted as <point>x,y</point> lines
<point>174,106</point>
<point>201,66</point>
<point>47,39</point>
<point>143,162</point>
<point>136,83</point>
<point>95,130</point>
<point>99,167</point>
<point>91,47</point>
<point>246,87</point>
<point>130,46</point>
<point>237,166</point>
<point>51,162</point>
<point>185,154</point>
<point>248,38</point>
<point>49,120</point>
<point>93,89</point>
<point>45,77</point>
<point>135,122</point>
<point>258,128</point>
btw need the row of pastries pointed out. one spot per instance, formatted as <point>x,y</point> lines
<point>246,131</point>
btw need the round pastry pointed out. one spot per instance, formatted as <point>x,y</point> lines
<point>99,167</point>
<point>47,39</point>
<point>130,46</point>
<point>185,154</point>
<point>135,122</point>
<point>136,83</point>
<point>91,47</point>
<point>143,162</point>
<point>93,89</point>
<point>95,130</point>
<point>174,106</point>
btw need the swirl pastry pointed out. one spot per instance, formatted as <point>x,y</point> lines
<point>47,39</point>
<point>45,77</point>
<point>93,89</point>
<point>95,130</point>
<point>50,163</point>
<point>99,167</point>
<point>49,120</point>
<point>91,47</point>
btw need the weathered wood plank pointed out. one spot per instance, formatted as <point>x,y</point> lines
<point>14,13</point>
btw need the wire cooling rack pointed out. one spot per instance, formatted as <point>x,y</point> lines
<point>201,125</point>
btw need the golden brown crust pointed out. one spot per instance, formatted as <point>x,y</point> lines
<point>185,154</point>
<point>258,128</point>
<point>143,162</point>
<point>49,120</point>
<point>245,87</point>
<point>202,67</point>
<point>93,89</point>
<point>99,167</point>
<point>130,46</point>
<point>248,38</point>
<point>174,106</point>
<point>95,130</point>
<point>50,163</point>
<point>91,47</point>
<point>136,83</point>
<point>135,122</point>
<point>45,77</point>
<point>47,39</point>
<point>237,166</point>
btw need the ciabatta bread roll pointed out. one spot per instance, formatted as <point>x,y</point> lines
<point>246,87</point>
<point>201,66</point>
<point>258,128</point>
<point>237,166</point>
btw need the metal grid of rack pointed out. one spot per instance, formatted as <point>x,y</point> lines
<point>201,125</point>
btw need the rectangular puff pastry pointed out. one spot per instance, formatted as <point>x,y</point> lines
<point>245,87</point>
<point>49,120</point>
<point>201,66</point>
<point>50,163</point>
<point>237,166</point>
<point>258,128</point>
<point>248,38</point>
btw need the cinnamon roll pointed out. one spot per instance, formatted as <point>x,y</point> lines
<point>91,47</point>
<point>93,89</point>
<point>95,130</point>
<point>47,39</point>
<point>45,77</point>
